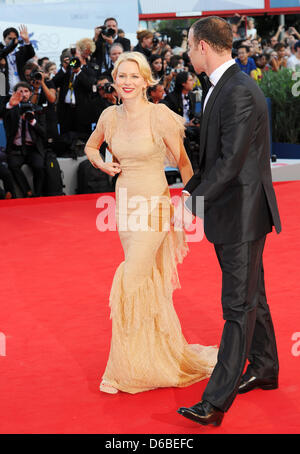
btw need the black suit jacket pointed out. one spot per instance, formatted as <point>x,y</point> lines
<point>22,56</point>
<point>143,50</point>
<point>174,101</point>
<point>83,85</point>
<point>234,161</point>
<point>38,131</point>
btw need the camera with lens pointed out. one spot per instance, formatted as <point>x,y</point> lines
<point>155,41</point>
<point>166,39</point>
<point>178,70</point>
<point>196,119</point>
<point>108,88</point>
<point>35,75</point>
<point>107,31</point>
<point>29,110</point>
<point>75,63</point>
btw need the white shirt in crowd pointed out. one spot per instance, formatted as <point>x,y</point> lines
<point>293,63</point>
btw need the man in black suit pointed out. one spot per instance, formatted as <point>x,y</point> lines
<point>25,140</point>
<point>14,58</point>
<point>73,109</point>
<point>240,210</point>
<point>104,42</point>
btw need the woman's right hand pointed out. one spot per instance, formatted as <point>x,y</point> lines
<point>111,168</point>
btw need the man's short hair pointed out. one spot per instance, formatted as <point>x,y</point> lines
<point>244,47</point>
<point>110,18</point>
<point>22,84</point>
<point>297,44</point>
<point>30,65</point>
<point>9,30</point>
<point>279,46</point>
<point>215,31</point>
<point>116,45</point>
<point>41,60</point>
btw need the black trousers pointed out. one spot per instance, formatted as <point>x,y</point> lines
<point>248,330</point>
<point>7,178</point>
<point>35,161</point>
<point>72,118</point>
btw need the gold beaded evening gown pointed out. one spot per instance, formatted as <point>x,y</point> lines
<point>148,349</point>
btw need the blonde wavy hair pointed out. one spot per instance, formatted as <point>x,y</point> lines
<point>143,65</point>
<point>86,44</point>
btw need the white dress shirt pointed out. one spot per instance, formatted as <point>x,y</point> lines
<point>214,79</point>
<point>216,76</point>
<point>70,96</point>
<point>186,107</point>
<point>13,76</point>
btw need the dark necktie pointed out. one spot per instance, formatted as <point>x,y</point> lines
<point>209,84</point>
<point>71,86</point>
<point>23,135</point>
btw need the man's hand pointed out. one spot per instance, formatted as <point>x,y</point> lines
<point>97,31</point>
<point>182,218</point>
<point>15,99</point>
<point>108,39</point>
<point>24,33</point>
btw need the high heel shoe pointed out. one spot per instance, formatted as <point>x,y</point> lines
<point>105,387</point>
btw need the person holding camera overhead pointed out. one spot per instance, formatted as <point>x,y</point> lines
<point>25,129</point>
<point>15,55</point>
<point>75,81</point>
<point>105,36</point>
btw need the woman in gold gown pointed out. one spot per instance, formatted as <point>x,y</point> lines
<point>148,349</point>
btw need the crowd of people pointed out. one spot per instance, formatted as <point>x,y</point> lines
<point>46,109</point>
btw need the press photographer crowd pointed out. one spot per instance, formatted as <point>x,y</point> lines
<point>50,111</point>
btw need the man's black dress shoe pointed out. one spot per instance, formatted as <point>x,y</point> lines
<point>203,413</point>
<point>254,383</point>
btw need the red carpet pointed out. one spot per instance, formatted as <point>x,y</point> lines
<point>56,273</point>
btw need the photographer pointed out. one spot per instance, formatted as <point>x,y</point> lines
<point>160,43</point>
<point>176,66</point>
<point>84,50</point>
<point>14,57</point>
<point>145,41</point>
<point>183,102</point>
<point>44,95</point>
<point>106,96</point>
<point>105,36</point>
<point>6,177</point>
<point>50,70</point>
<point>25,129</point>
<point>73,108</point>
